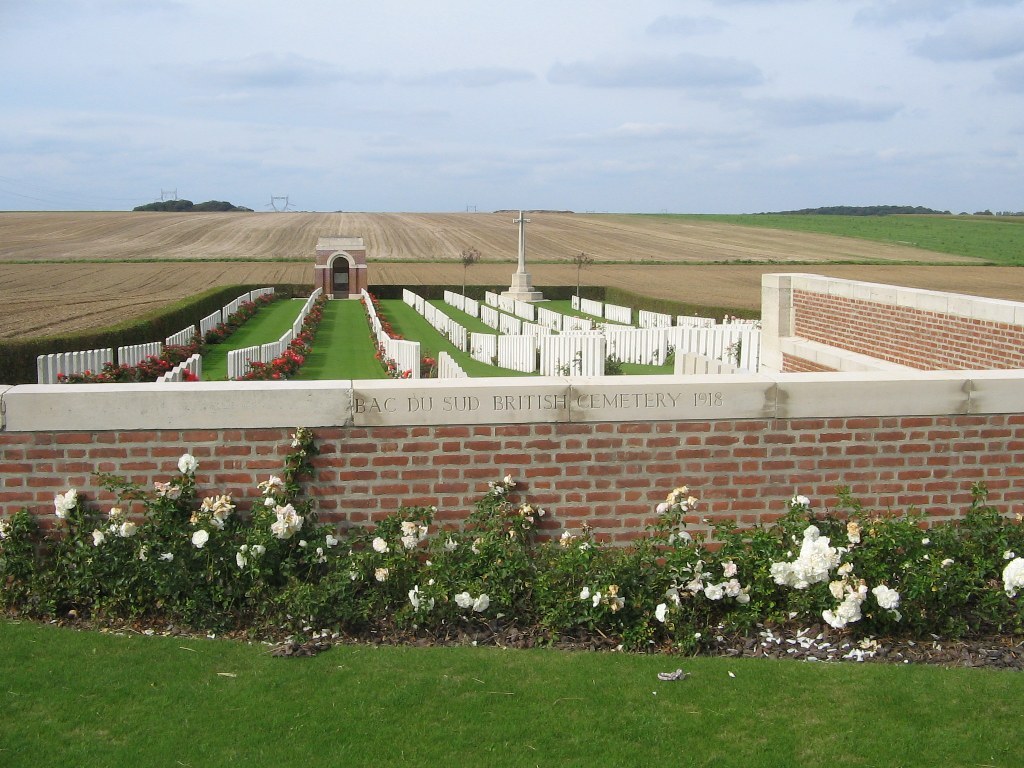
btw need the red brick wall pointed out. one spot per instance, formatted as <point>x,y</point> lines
<point>609,475</point>
<point>793,364</point>
<point>912,337</point>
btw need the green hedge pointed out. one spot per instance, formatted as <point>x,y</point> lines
<point>18,356</point>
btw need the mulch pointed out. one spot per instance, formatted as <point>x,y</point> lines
<point>815,644</point>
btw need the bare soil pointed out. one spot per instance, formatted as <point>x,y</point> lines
<point>64,272</point>
<point>138,236</point>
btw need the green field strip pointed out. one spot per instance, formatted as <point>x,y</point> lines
<point>410,324</point>
<point>268,324</point>
<point>344,346</point>
<point>999,240</point>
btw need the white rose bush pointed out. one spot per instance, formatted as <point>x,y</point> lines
<point>265,564</point>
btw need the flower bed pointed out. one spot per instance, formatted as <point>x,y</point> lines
<point>428,365</point>
<point>292,359</point>
<point>215,563</point>
<point>238,318</point>
<point>150,369</point>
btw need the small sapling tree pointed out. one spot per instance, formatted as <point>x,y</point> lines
<point>469,257</point>
<point>581,260</point>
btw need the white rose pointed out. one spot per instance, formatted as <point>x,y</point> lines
<point>187,464</point>
<point>98,537</point>
<point>660,612</point>
<point>199,538</point>
<point>1013,576</point>
<point>889,599</point>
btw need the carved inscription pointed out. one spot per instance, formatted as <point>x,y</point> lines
<point>524,403</point>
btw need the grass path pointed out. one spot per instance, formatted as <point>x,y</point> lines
<point>89,699</point>
<point>343,348</point>
<point>267,325</point>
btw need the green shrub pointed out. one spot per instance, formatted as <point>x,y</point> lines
<point>214,563</point>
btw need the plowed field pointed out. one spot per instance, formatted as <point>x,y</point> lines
<point>51,280</point>
<point>422,237</point>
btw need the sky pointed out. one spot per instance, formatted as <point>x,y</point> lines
<point>696,106</point>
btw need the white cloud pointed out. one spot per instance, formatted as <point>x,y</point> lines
<point>682,71</point>
<point>974,40</point>
<point>685,26</point>
<point>822,110</point>
<point>885,12</point>
<point>268,70</point>
<point>1010,77</point>
<point>474,77</point>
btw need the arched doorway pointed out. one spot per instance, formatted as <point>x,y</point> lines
<point>340,277</point>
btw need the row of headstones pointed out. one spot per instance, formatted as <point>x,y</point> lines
<point>406,354</point>
<point>700,348</point>
<point>240,360</point>
<point>612,312</point>
<point>50,366</point>
<point>192,367</point>
<point>219,316</point>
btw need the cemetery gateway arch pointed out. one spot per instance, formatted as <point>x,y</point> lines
<point>340,268</point>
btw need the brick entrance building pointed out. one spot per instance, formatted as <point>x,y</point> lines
<point>340,268</point>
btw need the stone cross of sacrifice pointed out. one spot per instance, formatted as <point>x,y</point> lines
<point>522,221</point>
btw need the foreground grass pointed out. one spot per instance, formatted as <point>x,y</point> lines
<point>91,699</point>
<point>996,239</point>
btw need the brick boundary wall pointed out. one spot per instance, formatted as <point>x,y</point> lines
<point>796,364</point>
<point>920,440</point>
<point>815,323</point>
<point>917,338</point>
<point>600,450</point>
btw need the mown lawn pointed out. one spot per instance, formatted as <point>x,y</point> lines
<point>344,347</point>
<point>89,699</point>
<point>410,324</point>
<point>268,324</point>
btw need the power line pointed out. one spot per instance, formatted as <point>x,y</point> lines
<point>280,199</point>
<point>26,190</point>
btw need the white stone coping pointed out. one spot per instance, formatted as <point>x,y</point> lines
<point>338,243</point>
<point>224,405</point>
<point>834,357</point>
<point>940,302</point>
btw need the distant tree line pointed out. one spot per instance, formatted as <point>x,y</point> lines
<point>860,210</point>
<point>188,205</point>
